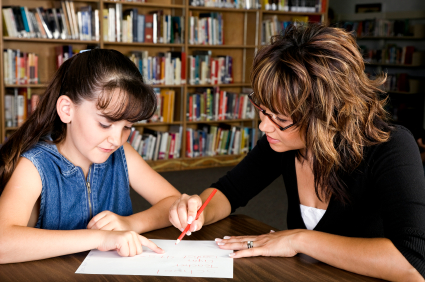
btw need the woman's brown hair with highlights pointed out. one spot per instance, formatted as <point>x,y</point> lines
<point>315,75</point>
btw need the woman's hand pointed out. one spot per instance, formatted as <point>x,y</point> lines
<point>274,244</point>
<point>127,243</point>
<point>108,220</point>
<point>183,212</point>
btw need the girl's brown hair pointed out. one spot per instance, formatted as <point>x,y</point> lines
<point>315,75</point>
<point>91,75</point>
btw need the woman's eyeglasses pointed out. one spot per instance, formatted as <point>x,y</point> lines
<point>272,119</point>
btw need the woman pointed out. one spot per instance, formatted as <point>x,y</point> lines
<point>356,191</point>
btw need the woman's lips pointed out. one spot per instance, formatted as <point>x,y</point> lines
<point>272,140</point>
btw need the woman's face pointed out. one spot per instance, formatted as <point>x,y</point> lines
<point>281,141</point>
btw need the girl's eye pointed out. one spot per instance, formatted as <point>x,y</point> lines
<point>104,126</point>
<point>127,128</point>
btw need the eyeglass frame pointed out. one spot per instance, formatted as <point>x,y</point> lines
<point>281,128</point>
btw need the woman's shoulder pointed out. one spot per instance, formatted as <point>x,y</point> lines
<point>399,148</point>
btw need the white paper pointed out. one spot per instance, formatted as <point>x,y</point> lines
<point>188,259</point>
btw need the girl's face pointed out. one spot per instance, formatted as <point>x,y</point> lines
<point>281,141</point>
<point>93,136</point>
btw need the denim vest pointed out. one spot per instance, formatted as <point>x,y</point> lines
<point>69,202</point>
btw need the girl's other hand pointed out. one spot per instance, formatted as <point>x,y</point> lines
<point>108,220</point>
<point>127,243</point>
<point>183,212</point>
<point>273,244</point>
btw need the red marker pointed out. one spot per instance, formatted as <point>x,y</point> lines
<point>197,215</point>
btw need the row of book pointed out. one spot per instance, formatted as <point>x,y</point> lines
<point>204,69</point>
<point>397,82</point>
<point>306,6</point>
<point>212,140</point>
<point>157,145</point>
<point>20,67</point>
<point>165,105</point>
<point>19,103</point>
<point>163,69</point>
<point>390,54</point>
<point>238,4</point>
<point>53,23</point>
<point>377,27</point>
<point>215,104</point>
<point>206,29</point>
<point>130,26</point>
<point>273,26</point>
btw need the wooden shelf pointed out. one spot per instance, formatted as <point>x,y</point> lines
<point>240,26</point>
<point>219,121</point>
<point>394,65</point>
<point>237,84</point>
<point>223,46</point>
<point>108,43</point>
<point>157,123</point>
<point>25,85</point>
<point>217,9</point>
<point>291,13</point>
<point>403,93</point>
<point>46,40</point>
<point>195,163</point>
<point>166,86</point>
<point>390,38</point>
<point>153,5</point>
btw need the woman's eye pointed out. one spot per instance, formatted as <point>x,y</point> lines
<point>103,125</point>
<point>127,127</point>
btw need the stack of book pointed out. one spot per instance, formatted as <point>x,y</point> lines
<point>157,145</point>
<point>53,23</point>
<point>219,140</point>
<point>390,54</point>
<point>204,69</point>
<point>130,26</point>
<point>377,27</point>
<point>164,69</point>
<point>306,6</point>
<point>20,67</point>
<point>19,103</point>
<point>238,4</point>
<point>271,25</point>
<point>215,104</point>
<point>206,29</point>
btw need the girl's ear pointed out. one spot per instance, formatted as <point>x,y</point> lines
<point>65,108</point>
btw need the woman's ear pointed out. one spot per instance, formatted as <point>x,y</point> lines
<point>65,108</point>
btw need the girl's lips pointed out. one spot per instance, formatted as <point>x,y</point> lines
<point>105,150</point>
<point>271,140</point>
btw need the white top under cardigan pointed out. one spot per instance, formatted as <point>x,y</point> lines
<point>311,216</point>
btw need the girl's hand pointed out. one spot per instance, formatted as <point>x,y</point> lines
<point>274,244</point>
<point>183,212</point>
<point>127,243</point>
<point>108,220</point>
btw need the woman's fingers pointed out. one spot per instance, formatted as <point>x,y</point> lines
<point>254,252</point>
<point>193,204</point>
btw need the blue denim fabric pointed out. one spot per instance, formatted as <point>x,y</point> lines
<point>64,196</point>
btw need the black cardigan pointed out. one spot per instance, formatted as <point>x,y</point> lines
<point>387,193</point>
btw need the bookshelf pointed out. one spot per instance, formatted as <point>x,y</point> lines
<point>242,35</point>
<point>393,35</point>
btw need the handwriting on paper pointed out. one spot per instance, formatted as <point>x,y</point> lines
<point>189,258</point>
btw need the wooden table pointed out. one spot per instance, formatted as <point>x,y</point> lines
<point>298,268</point>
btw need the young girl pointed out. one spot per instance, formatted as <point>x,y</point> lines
<point>66,172</point>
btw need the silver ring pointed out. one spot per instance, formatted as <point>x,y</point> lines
<point>250,244</point>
